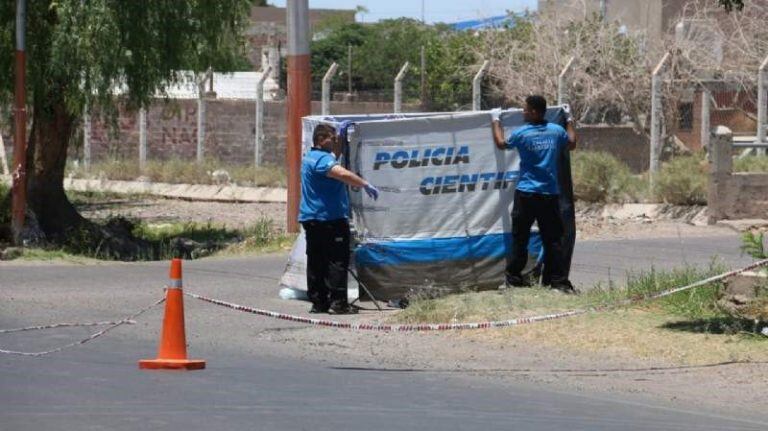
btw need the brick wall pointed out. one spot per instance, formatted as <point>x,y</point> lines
<point>229,127</point>
<point>621,141</point>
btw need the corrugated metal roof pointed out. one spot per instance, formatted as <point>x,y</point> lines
<point>485,23</point>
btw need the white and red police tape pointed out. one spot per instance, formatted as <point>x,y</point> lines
<point>67,325</point>
<point>362,326</point>
<point>423,327</point>
<point>127,321</point>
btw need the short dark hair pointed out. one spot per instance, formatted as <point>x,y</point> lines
<point>537,103</point>
<point>321,132</point>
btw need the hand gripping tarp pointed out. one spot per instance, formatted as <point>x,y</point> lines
<point>442,221</point>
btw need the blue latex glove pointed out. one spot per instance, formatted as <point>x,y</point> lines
<point>495,114</point>
<point>372,191</point>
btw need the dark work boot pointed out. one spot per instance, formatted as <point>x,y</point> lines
<point>515,281</point>
<point>319,308</point>
<point>564,286</point>
<point>342,307</point>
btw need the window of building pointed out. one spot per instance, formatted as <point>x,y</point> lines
<point>685,116</point>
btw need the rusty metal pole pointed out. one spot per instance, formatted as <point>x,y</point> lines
<point>299,102</point>
<point>19,175</point>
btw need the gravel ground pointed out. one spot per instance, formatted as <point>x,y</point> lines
<point>158,210</point>
<point>678,222</point>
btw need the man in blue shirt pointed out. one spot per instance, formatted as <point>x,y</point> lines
<point>539,144</point>
<point>324,214</point>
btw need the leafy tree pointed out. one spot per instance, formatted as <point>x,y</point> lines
<point>380,49</point>
<point>80,52</point>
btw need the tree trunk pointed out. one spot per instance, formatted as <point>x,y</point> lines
<point>47,159</point>
<point>48,205</point>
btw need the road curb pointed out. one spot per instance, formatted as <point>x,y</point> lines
<point>198,192</point>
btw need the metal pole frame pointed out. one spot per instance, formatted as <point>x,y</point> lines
<point>325,107</point>
<point>656,117</point>
<point>259,128</point>
<point>561,81</point>
<point>399,88</point>
<point>477,92</point>
<point>762,101</point>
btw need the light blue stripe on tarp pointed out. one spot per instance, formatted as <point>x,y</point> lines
<point>429,250</point>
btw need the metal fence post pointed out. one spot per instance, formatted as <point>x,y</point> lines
<point>762,100</point>
<point>349,69</point>
<point>399,88</point>
<point>656,117</point>
<point>325,108</point>
<point>477,92</point>
<point>3,159</point>
<point>423,84</point>
<point>142,139</point>
<point>259,129</point>
<point>561,82</point>
<point>86,138</point>
<point>200,120</point>
<point>706,101</point>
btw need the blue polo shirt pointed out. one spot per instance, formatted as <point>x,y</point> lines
<point>322,197</point>
<point>539,146</point>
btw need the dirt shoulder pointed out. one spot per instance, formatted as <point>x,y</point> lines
<point>659,365</point>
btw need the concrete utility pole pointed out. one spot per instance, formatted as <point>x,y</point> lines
<point>477,92</point>
<point>87,138</point>
<point>259,129</point>
<point>19,175</point>
<point>3,161</point>
<point>706,101</point>
<point>423,88</point>
<point>142,139</point>
<point>561,82</point>
<point>399,88</point>
<point>349,69</point>
<point>762,101</point>
<point>201,95</point>
<point>326,98</point>
<point>656,117</point>
<point>299,102</point>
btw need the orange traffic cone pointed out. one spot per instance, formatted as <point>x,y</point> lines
<point>173,341</point>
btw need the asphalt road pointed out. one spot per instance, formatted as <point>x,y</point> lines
<point>248,386</point>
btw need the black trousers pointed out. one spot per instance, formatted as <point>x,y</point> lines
<point>545,210</point>
<point>327,261</point>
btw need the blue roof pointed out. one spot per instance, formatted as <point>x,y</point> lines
<point>485,23</point>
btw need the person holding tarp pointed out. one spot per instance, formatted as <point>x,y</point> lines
<point>539,144</point>
<point>324,215</point>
